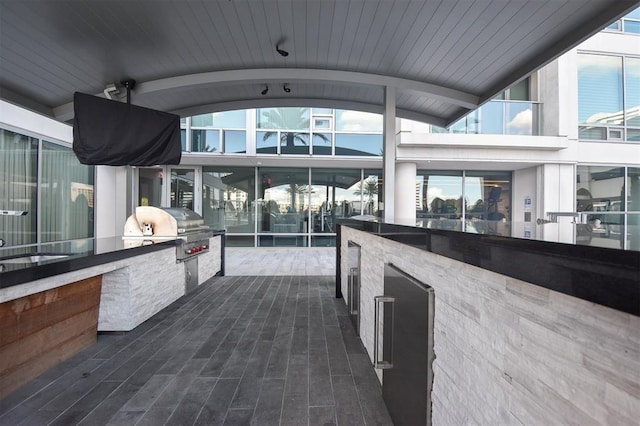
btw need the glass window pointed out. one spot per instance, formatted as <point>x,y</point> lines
<point>322,123</point>
<point>283,201</point>
<point>492,118</point>
<point>228,197</point>
<point>67,195</point>
<point>631,26</point>
<point>599,89</point>
<point>294,143</point>
<point>183,139</point>
<point>370,189</point>
<point>438,195</point>
<point>267,142</point>
<point>358,144</point>
<point>235,141</point>
<point>18,188</point>
<point>592,133</point>
<point>182,188</point>
<point>358,121</point>
<point>600,191</point>
<point>204,120</point>
<point>229,119</point>
<point>519,118</point>
<point>633,135</point>
<point>487,195</point>
<point>323,111</point>
<point>520,91</point>
<point>150,187</point>
<point>632,91</point>
<point>283,118</point>
<point>322,144</point>
<point>205,141</point>
<point>334,194</point>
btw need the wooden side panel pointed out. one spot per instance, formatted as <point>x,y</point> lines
<point>43,329</point>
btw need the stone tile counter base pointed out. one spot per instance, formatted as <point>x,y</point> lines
<point>507,351</point>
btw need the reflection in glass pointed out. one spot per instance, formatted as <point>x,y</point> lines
<point>283,200</point>
<point>228,199</point>
<point>294,143</point>
<point>439,195</point>
<point>492,119</point>
<point>150,187</point>
<point>371,189</point>
<point>229,119</point>
<point>599,89</point>
<point>334,194</point>
<point>633,205</point>
<point>67,195</point>
<point>182,188</point>
<point>267,142</point>
<point>322,144</point>
<point>488,196</point>
<point>600,190</point>
<point>358,121</point>
<point>18,187</point>
<point>283,118</point>
<point>519,118</point>
<point>358,144</point>
<point>235,141</point>
<point>205,141</point>
<point>632,91</point>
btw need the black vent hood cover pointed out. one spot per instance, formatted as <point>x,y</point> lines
<point>113,133</point>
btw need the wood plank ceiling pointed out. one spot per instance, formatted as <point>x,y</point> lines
<point>443,57</point>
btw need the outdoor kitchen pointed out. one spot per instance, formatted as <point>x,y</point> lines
<point>162,255</point>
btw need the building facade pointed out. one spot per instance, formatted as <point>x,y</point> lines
<point>565,140</point>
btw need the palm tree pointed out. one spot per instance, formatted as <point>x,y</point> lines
<point>288,118</point>
<point>370,188</point>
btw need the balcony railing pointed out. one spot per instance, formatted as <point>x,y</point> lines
<point>499,118</point>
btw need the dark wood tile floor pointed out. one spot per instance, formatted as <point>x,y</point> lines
<point>239,350</point>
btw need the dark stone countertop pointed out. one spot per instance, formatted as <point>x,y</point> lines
<point>80,254</point>
<point>609,277</point>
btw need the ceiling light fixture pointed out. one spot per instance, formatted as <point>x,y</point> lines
<point>286,88</point>
<point>266,89</point>
<point>282,52</point>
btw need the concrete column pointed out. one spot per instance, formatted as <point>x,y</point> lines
<point>405,194</point>
<point>389,153</point>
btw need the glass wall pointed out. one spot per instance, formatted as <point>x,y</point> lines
<point>609,197</point>
<point>283,206</point>
<point>285,131</point>
<point>67,195</point>
<point>228,202</point>
<point>182,191</point>
<point>608,97</point>
<point>150,187</point>
<point>482,199</point>
<point>32,170</point>
<point>335,194</point>
<point>18,188</point>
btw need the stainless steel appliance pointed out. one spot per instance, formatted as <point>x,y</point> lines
<point>406,313</point>
<point>152,224</point>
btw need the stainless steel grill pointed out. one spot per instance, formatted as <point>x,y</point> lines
<point>151,224</point>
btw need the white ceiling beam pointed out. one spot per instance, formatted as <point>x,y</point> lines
<point>265,75</point>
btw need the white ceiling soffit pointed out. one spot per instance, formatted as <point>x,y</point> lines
<point>445,58</point>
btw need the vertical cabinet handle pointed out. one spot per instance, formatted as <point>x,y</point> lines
<point>353,276</point>
<point>387,330</point>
